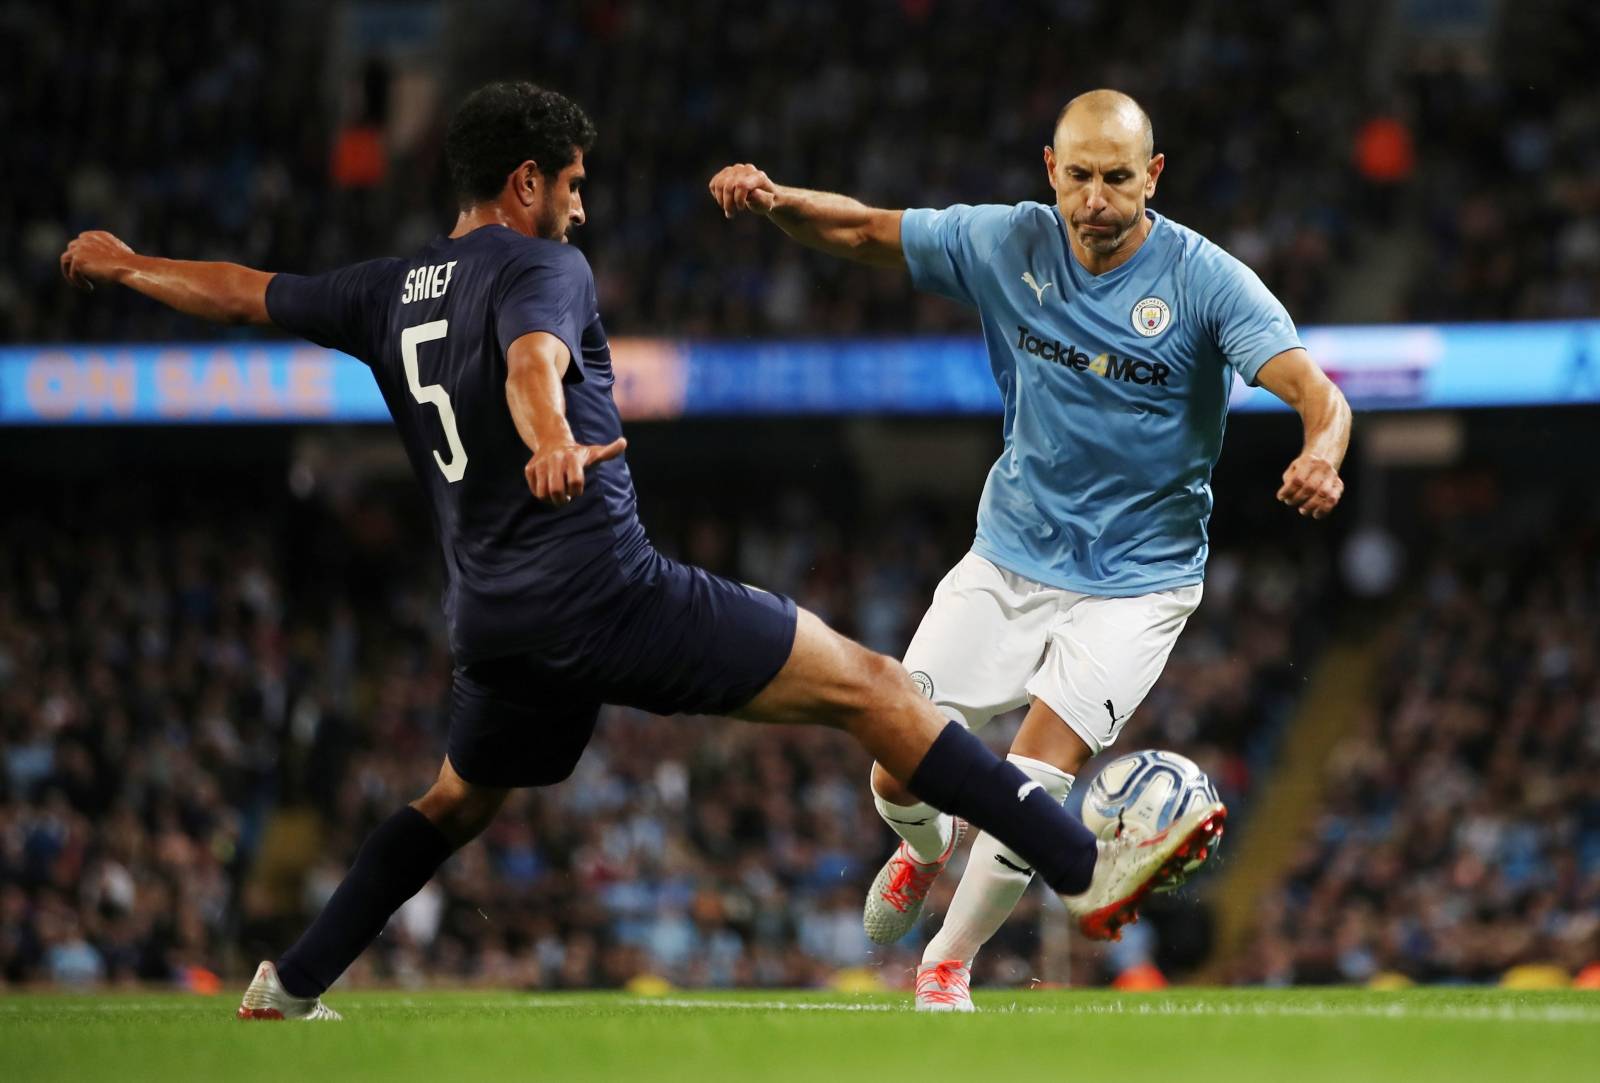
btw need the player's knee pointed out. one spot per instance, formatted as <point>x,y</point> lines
<point>876,679</point>
<point>877,685</point>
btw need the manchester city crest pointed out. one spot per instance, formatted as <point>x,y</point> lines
<point>1151,316</point>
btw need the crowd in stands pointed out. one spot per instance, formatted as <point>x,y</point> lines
<point>177,694</point>
<point>175,689</point>
<point>1461,833</point>
<point>1303,141</point>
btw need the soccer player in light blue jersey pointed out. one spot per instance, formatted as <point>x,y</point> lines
<point>1114,334</point>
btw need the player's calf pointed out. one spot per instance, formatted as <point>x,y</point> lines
<point>400,855</point>
<point>458,808</point>
<point>925,830</point>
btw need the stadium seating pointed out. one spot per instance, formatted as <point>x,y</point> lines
<point>1461,831</point>
<point>1487,215</point>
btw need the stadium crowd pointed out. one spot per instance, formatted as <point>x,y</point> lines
<point>1311,143</point>
<point>174,693</point>
<point>198,703</point>
<point>1461,834</point>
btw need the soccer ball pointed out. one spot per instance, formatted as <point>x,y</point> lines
<point>1143,792</point>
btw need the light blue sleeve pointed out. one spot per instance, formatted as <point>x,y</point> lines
<point>1249,325</point>
<point>947,249</point>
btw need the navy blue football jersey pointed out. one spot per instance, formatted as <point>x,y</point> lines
<point>435,329</point>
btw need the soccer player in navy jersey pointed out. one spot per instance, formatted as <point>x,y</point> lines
<point>488,348</point>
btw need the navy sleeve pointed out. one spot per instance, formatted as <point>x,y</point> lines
<point>551,292</point>
<point>342,309</point>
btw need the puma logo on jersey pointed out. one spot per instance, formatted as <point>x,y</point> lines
<point>1038,290</point>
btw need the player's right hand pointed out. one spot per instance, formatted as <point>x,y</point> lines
<point>555,474</point>
<point>743,187</point>
<point>93,256</point>
<point>1311,484</point>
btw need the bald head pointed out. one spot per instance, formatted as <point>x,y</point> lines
<point>1112,113</point>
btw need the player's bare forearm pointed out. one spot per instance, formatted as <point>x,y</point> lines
<point>219,292</point>
<point>839,225</point>
<point>1325,417</point>
<point>535,365</point>
<point>835,224</point>
<point>1311,484</point>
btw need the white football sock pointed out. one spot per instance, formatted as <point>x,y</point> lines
<point>994,880</point>
<point>925,829</point>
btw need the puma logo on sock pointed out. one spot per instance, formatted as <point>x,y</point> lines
<point>1023,869</point>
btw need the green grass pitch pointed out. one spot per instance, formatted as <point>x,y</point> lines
<point>1182,1036</point>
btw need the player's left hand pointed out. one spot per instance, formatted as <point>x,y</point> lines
<point>1311,484</point>
<point>555,473</point>
<point>94,256</point>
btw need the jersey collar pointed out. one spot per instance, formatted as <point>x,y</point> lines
<point>1080,274</point>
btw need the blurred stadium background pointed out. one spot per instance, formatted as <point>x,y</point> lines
<point>220,657</point>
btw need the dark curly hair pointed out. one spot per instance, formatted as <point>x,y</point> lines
<point>502,125</point>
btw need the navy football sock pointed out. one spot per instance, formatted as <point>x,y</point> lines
<point>400,855</point>
<point>962,777</point>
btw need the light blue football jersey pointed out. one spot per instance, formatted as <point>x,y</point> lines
<point>1115,388</point>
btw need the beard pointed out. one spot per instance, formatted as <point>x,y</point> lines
<point>552,225</point>
<point>1106,243</point>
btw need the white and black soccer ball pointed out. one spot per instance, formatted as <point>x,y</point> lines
<point>1143,792</point>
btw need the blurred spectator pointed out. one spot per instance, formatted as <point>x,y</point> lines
<point>1385,153</point>
<point>180,130</point>
<point>1461,834</point>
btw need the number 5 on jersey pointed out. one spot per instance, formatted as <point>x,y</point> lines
<point>434,394</point>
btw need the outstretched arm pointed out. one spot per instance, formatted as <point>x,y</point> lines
<point>835,224</point>
<point>220,292</point>
<point>1311,483</point>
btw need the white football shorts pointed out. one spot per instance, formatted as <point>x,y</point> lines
<point>993,640</point>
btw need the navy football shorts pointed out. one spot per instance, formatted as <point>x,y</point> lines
<point>683,641</point>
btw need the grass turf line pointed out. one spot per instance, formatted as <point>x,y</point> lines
<point>1230,1036</point>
